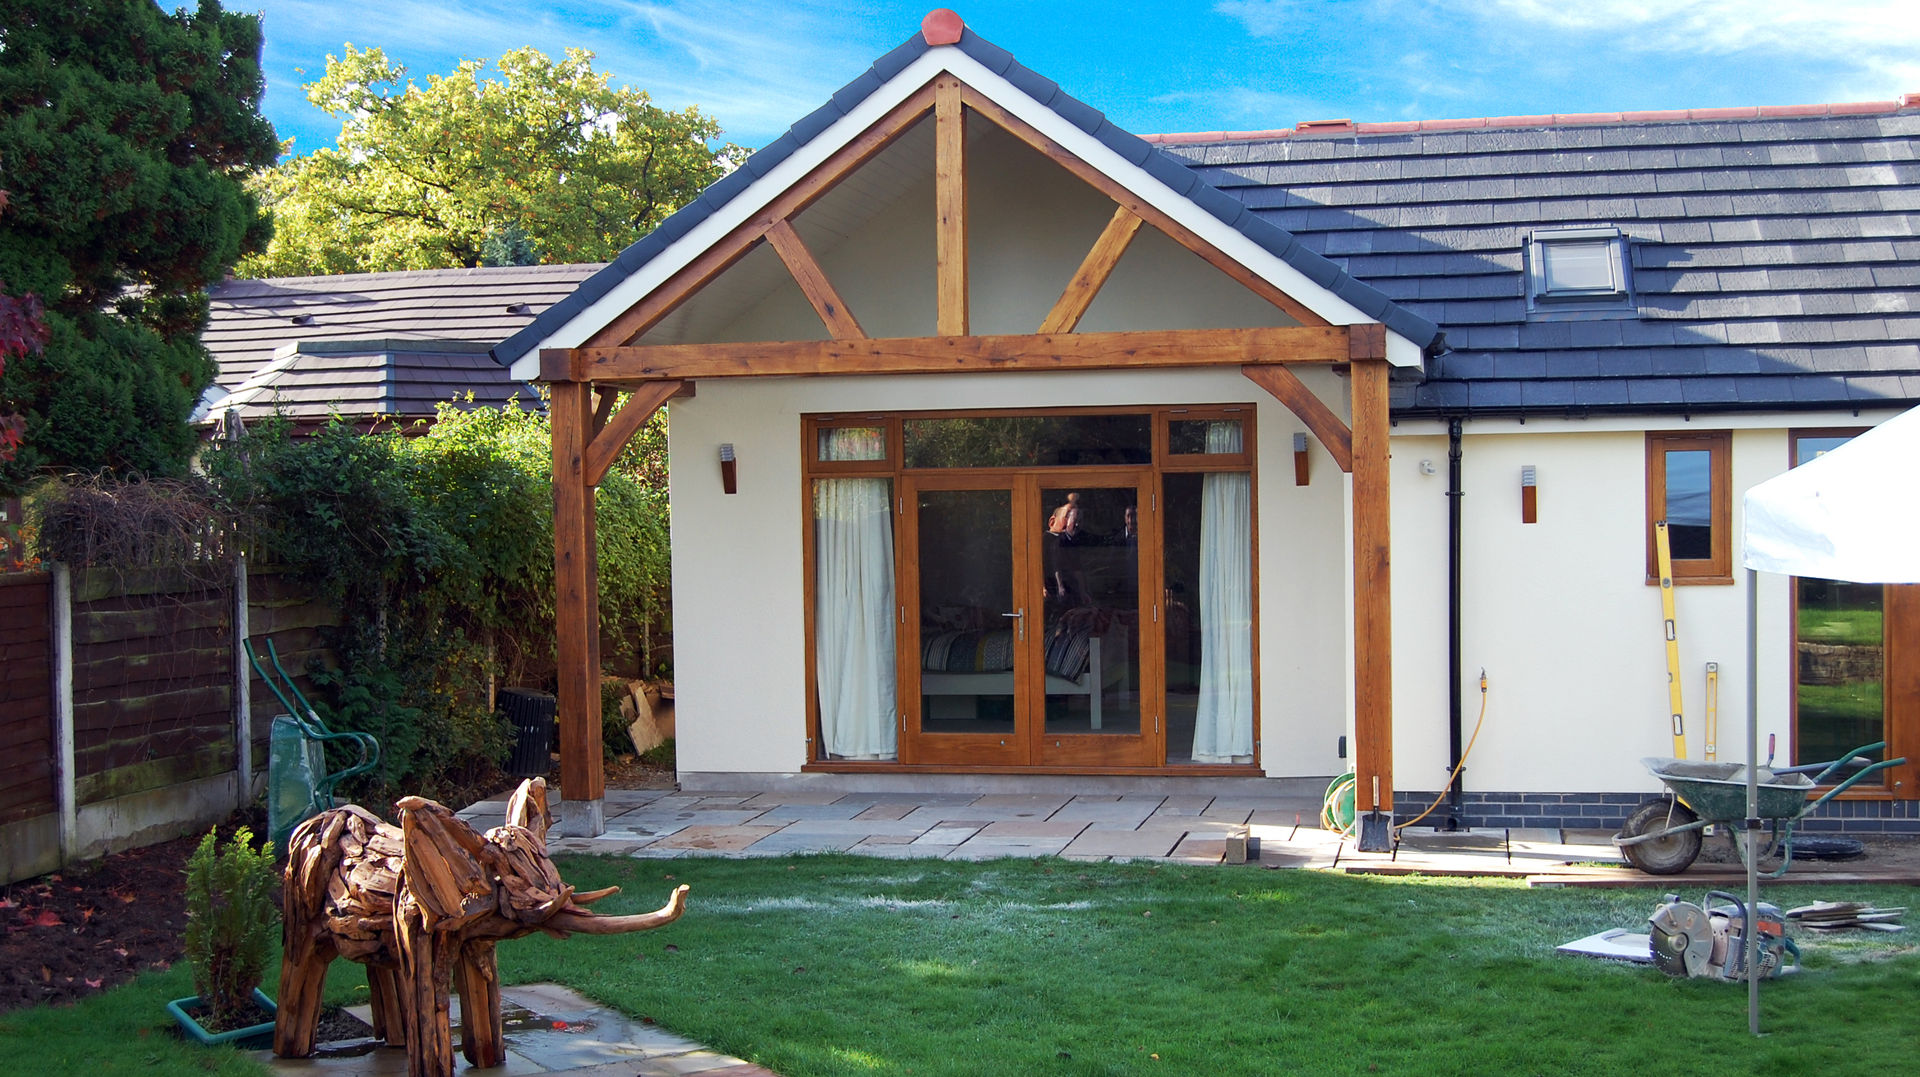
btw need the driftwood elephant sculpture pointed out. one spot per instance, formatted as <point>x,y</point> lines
<point>422,906</point>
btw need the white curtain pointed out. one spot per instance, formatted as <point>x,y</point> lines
<point>853,612</point>
<point>1223,728</point>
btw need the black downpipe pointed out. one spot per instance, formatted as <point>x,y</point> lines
<point>1454,494</point>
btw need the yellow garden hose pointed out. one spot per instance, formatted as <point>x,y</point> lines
<point>1448,784</point>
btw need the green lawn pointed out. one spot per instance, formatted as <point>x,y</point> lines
<point>1855,626</point>
<point>842,965</point>
<point>848,965</point>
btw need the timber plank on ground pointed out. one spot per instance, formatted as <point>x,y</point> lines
<point>1624,878</point>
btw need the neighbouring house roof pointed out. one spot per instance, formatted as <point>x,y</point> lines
<point>1161,166</point>
<point>312,380</point>
<point>359,343</point>
<point>1775,253</point>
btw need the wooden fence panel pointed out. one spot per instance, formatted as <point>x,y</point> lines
<point>153,681</point>
<point>28,780</point>
<point>281,608</point>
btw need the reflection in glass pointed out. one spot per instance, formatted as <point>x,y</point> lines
<point>1029,441</point>
<point>966,592</point>
<point>853,617</point>
<point>1689,504</point>
<point>1207,521</point>
<point>1091,626</point>
<point>1194,437</point>
<point>852,443</point>
<point>1839,647</point>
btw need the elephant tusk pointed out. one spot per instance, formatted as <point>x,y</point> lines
<point>586,923</point>
<point>591,896</point>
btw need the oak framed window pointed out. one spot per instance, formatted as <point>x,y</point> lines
<point>1689,485</point>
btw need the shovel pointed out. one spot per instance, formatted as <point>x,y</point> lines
<point>1374,836</point>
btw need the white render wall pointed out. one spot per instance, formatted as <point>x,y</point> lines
<point>1559,614</point>
<point>739,618</point>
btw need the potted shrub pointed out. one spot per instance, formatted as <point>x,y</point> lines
<point>231,932</point>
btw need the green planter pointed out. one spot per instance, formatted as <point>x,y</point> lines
<point>260,1035</point>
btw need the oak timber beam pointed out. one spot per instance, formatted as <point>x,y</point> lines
<point>813,282</point>
<point>1286,387</point>
<point>605,447</point>
<point>942,355</point>
<point>1093,272</point>
<point>1372,590</point>
<point>605,397</point>
<point>950,205</point>
<point>675,290</point>
<point>1178,232</point>
<point>576,610</point>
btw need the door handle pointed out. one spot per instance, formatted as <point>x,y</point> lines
<point>1019,615</point>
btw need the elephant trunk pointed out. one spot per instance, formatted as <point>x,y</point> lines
<point>580,921</point>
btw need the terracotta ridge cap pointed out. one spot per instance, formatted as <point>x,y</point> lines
<point>1313,128</point>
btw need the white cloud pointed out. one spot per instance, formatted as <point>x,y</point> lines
<point>757,65</point>
<point>1875,44</point>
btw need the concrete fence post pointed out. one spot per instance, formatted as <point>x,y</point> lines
<point>62,580</point>
<point>242,688</point>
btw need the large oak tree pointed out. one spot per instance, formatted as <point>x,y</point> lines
<point>125,134</point>
<point>548,162</point>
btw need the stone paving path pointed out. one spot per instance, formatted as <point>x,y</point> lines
<point>1195,829</point>
<point>1273,831</point>
<point>549,1030</point>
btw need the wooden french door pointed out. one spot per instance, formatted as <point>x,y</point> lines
<point>1025,622</point>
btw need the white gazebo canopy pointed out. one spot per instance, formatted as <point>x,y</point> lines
<point>1852,514</point>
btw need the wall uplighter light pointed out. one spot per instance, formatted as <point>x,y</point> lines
<point>1529,494</point>
<point>1299,459</point>
<point>728,481</point>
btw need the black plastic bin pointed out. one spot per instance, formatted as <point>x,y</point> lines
<point>532,714</point>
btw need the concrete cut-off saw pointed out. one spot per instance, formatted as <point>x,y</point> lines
<point>1709,941</point>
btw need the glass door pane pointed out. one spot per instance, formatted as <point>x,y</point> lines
<point>1839,649</point>
<point>970,628</point>
<point>1839,645</point>
<point>1093,697</point>
<point>1208,617</point>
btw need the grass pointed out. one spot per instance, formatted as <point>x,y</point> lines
<point>1851,626</point>
<point>841,965</point>
<point>845,965</point>
<point>128,1031</point>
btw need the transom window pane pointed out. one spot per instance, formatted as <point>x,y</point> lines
<point>843,443</point>
<point>1195,437</point>
<point>1029,441</point>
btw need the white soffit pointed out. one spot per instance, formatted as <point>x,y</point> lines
<point>950,59</point>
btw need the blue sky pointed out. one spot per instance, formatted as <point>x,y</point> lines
<point>759,65</point>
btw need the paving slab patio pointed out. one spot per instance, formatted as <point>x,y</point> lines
<point>549,1030</point>
<point>1278,831</point>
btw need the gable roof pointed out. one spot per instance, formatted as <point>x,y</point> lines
<point>1775,253</point>
<point>250,320</point>
<point>820,126</point>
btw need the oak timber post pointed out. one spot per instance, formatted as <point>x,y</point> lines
<point>576,580</point>
<point>1372,591</point>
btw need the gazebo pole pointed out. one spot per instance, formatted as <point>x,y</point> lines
<point>576,580</point>
<point>1753,802</point>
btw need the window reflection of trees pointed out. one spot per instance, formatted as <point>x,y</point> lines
<point>1029,441</point>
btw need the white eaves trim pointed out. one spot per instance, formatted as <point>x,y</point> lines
<point>950,59</point>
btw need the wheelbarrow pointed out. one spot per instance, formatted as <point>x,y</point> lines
<point>1663,837</point>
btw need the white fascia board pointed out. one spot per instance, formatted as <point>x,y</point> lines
<point>934,61</point>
